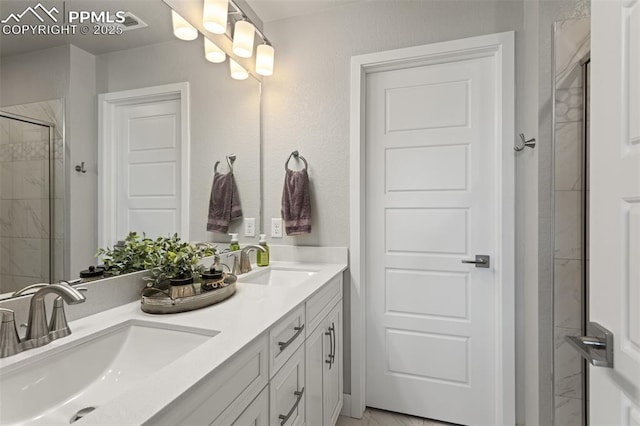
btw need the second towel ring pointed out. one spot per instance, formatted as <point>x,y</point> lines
<point>297,156</point>
<point>230,160</point>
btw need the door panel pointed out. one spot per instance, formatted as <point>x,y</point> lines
<point>431,147</point>
<point>614,271</point>
<point>149,196</point>
<point>283,399</point>
<point>315,355</point>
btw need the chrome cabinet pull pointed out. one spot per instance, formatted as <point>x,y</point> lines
<point>283,345</point>
<point>330,356</point>
<point>333,343</point>
<point>283,417</point>
<point>481,261</point>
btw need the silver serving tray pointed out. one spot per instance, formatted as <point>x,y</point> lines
<point>159,302</point>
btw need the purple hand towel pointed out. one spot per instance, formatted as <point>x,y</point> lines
<point>296,203</point>
<point>224,204</point>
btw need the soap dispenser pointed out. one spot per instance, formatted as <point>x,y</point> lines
<point>262,257</point>
<point>234,245</point>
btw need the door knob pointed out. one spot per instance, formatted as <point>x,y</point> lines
<point>482,261</point>
<point>597,347</point>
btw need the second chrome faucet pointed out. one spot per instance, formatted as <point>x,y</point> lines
<point>245,262</point>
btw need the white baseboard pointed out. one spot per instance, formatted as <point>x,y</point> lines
<point>346,405</point>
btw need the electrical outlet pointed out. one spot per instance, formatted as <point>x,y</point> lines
<point>250,227</point>
<point>276,227</point>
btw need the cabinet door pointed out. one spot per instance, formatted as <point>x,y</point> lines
<point>332,372</point>
<point>317,351</point>
<point>257,413</point>
<point>287,392</point>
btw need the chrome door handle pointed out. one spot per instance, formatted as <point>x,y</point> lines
<point>597,347</point>
<point>482,261</point>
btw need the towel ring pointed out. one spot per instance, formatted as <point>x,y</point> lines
<point>297,156</point>
<point>230,160</point>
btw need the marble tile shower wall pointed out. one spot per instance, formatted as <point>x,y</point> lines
<point>571,46</point>
<point>24,196</point>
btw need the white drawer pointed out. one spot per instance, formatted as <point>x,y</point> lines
<point>319,305</point>
<point>287,393</point>
<point>284,338</point>
<point>254,413</point>
<point>241,379</point>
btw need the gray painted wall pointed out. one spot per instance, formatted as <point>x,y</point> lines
<point>68,73</point>
<point>306,107</point>
<point>225,119</point>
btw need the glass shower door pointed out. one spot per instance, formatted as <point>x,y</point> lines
<point>26,195</point>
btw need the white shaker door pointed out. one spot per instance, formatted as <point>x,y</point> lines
<point>614,265</point>
<point>432,152</point>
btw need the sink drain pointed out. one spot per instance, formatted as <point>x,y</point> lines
<point>81,413</point>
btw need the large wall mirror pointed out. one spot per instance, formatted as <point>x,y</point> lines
<point>51,119</point>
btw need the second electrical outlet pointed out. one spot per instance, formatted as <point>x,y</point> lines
<point>276,227</point>
<point>250,227</point>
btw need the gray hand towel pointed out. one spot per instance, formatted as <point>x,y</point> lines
<point>296,203</point>
<point>224,204</point>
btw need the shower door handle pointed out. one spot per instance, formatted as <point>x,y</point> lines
<point>596,347</point>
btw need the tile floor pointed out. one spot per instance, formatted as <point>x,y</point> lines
<point>375,417</point>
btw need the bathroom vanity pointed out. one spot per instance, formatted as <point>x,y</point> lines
<point>271,354</point>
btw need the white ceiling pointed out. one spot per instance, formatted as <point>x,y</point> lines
<point>273,10</point>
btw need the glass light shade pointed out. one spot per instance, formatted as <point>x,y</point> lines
<point>212,52</point>
<point>237,71</point>
<point>243,39</point>
<point>181,28</point>
<point>264,60</point>
<point>214,15</point>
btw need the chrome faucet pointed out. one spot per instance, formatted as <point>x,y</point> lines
<point>9,339</point>
<point>39,333</point>
<point>245,263</point>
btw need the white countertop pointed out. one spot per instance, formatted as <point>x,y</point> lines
<point>239,320</point>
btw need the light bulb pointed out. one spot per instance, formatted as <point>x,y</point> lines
<point>214,15</point>
<point>181,28</point>
<point>212,52</point>
<point>243,39</point>
<point>237,72</point>
<point>264,60</point>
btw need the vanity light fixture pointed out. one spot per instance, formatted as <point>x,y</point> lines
<point>181,28</point>
<point>213,53</point>
<point>237,71</point>
<point>214,15</point>
<point>264,59</point>
<point>243,35</point>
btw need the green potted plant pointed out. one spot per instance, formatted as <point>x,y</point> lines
<point>175,261</point>
<point>130,255</point>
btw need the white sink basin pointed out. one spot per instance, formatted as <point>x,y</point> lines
<point>278,276</point>
<point>51,387</point>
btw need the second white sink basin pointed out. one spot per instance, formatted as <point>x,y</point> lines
<point>278,276</point>
<point>54,386</point>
